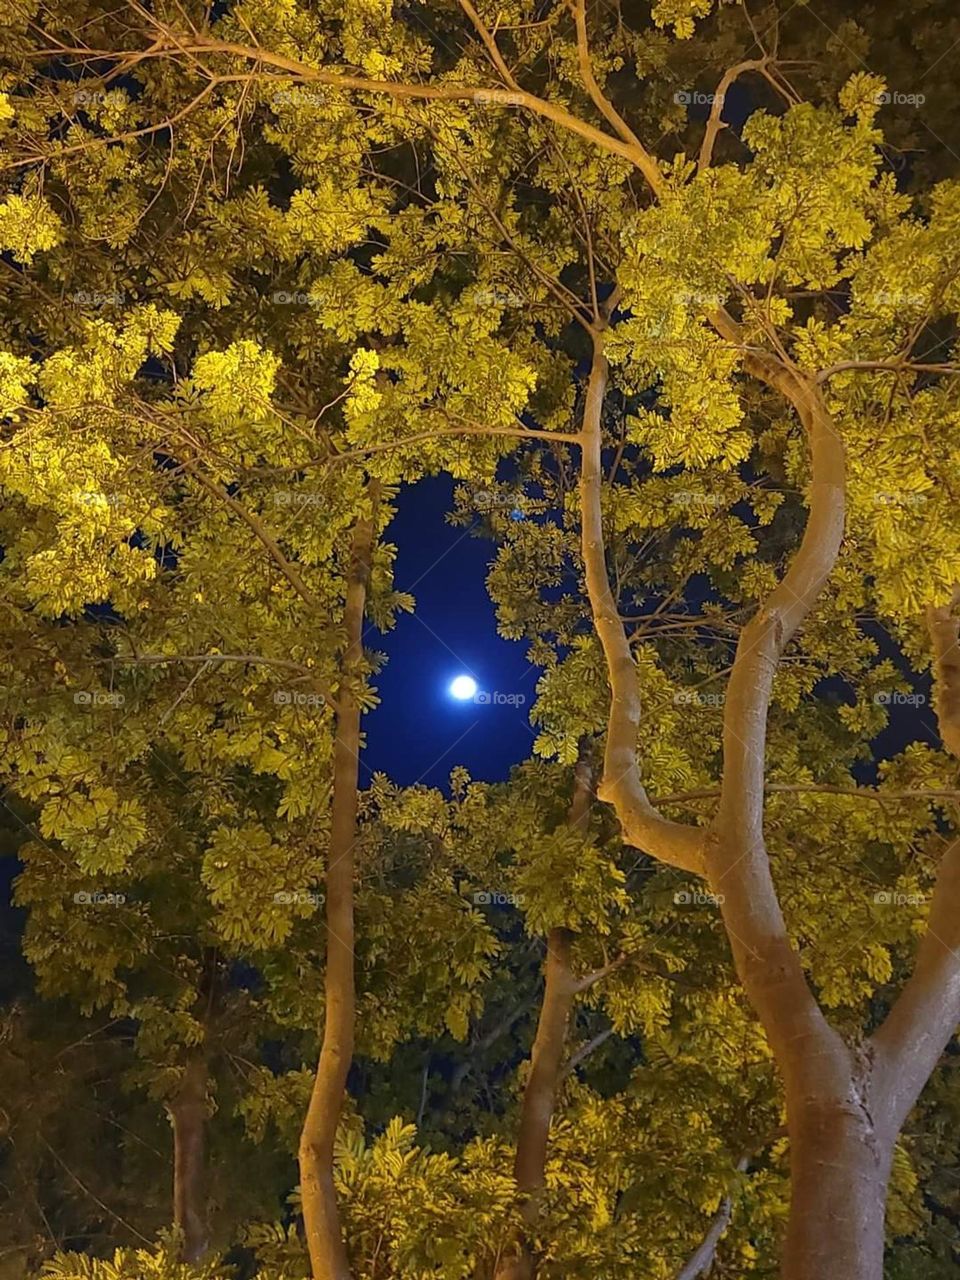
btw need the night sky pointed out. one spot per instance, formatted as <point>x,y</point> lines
<point>420,732</point>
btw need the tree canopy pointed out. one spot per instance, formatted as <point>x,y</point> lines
<point>671,293</point>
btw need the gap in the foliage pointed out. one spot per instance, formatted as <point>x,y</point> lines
<point>419,732</point>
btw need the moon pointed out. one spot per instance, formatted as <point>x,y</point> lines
<point>463,688</point>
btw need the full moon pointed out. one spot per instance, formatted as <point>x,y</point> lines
<point>463,687</point>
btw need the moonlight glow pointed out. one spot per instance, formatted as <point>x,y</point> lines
<point>463,687</point>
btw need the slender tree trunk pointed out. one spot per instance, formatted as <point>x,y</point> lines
<point>546,1059</point>
<point>188,1115</point>
<point>321,1216</point>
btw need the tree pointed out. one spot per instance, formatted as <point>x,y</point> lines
<point>701,296</point>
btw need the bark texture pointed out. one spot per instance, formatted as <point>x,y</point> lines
<point>188,1116</point>
<point>321,1215</point>
<point>839,1170</point>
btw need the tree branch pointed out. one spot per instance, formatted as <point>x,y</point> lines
<point>714,123</point>
<point>670,842</point>
<point>489,43</point>
<point>895,366</point>
<point>701,1262</point>
<point>813,788</point>
<point>199,44</point>
<point>919,1026</point>
<point>585,1051</point>
<point>260,532</point>
<point>943,626</point>
<point>600,100</point>
<point>520,433</point>
<point>212,659</point>
<point>597,975</point>
<point>736,856</point>
<point>321,1215</point>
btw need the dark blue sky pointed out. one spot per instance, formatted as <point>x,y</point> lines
<point>419,731</point>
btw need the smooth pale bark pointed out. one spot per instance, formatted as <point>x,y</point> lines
<point>546,1060</point>
<point>839,1171</point>
<point>188,1116</point>
<point>922,1022</point>
<point>827,1116</point>
<point>672,842</point>
<point>845,1104</point>
<point>321,1215</point>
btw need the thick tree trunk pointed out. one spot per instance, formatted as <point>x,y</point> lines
<point>321,1216</point>
<point>546,1059</point>
<point>188,1116</point>
<point>839,1167</point>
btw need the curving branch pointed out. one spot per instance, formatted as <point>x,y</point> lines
<point>599,98</point>
<point>714,121</point>
<point>546,1057</point>
<point>489,43</point>
<point>881,366</point>
<point>321,1213</point>
<point>674,843</point>
<point>830,789</point>
<point>768,964</point>
<point>196,45</point>
<point>925,1017</point>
